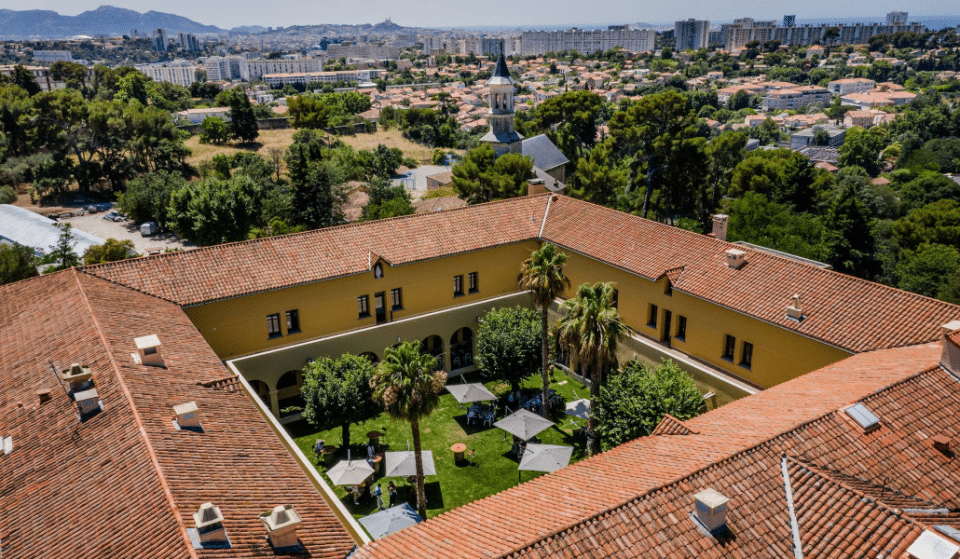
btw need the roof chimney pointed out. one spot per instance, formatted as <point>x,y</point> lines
<point>281,524</point>
<point>793,309</point>
<point>43,395</point>
<point>88,401</point>
<point>209,521</point>
<point>710,511</point>
<point>78,376</point>
<point>941,443</point>
<point>188,416</point>
<point>720,226</point>
<point>932,546</point>
<point>950,353</point>
<point>736,258</point>
<point>148,350</point>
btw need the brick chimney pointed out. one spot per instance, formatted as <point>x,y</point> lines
<point>720,226</point>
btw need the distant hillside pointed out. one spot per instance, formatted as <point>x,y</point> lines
<point>105,20</point>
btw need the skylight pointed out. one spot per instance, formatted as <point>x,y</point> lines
<point>863,416</point>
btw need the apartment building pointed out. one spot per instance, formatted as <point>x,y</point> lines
<point>691,34</point>
<point>51,56</point>
<point>535,43</point>
<point>303,78</point>
<point>254,69</point>
<point>735,36</point>
<point>222,68</point>
<point>367,51</point>
<point>795,98</point>
<point>180,72</point>
<point>850,85</point>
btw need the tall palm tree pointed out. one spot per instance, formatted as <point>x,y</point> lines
<point>591,329</point>
<point>542,275</point>
<point>409,387</point>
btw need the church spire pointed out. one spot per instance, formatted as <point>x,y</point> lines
<point>502,135</point>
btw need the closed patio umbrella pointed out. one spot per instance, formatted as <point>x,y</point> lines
<point>391,520</point>
<point>403,463</point>
<point>523,424</point>
<point>474,392</point>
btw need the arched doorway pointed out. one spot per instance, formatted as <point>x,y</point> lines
<point>370,356</point>
<point>262,390</point>
<point>288,393</point>
<point>461,349</point>
<point>433,345</point>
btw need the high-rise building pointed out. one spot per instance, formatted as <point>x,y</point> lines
<point>160,39</point>
<point>587,42</point>
<point>897,18</point>
<point>691,34</point>
<point>789,21</point>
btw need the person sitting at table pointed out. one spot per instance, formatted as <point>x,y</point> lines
<point>318,448</point>
<point>392,489</point>
<point>355,489</point>
<point>371,450</point>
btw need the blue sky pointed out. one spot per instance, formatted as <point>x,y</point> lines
<point>461,13</point>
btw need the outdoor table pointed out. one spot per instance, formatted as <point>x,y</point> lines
<point>458,450</point>
<point>328,452</point>
<point>377,462</point>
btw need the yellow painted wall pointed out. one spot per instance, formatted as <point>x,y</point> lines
<point>778,355</point>
<point>239,326</point>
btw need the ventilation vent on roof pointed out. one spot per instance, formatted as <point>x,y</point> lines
<point>209,531</point>
<point>281,524</point>
<point>932,546</point>
<point>793,309</point>
<point>710,511</point>
<point>187,417</point>
<point>78,376</point>
<point>7,444</point>
<point>88,402</point>
<point>863,416</point>
<point>941,443</point>
<point>736,258</point>
<point>148,351</point>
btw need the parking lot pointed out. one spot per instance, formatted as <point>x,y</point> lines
<point>96,225</point>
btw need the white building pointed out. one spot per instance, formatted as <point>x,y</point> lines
<point>850,85</point>
<point>51,56</point>
<point>367,51</point>
<point>533,43</point>
<point>180,72</point>
<point>160,39</point>
<point>189,42</point>
<point>21,226</point>
<point>196,116</point>
<point>691,34</point>
<point>735,36</point>
<point>254,70</point>
<point>897,18</point>
<point>303,78</point>
<point>222,68</point>
<point>795,98</point>
<point>434,44</point>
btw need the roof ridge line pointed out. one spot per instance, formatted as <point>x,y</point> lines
<point>138,420</point>
<point>791,509</point>
<point>543,221</point>
<point>829,474</point>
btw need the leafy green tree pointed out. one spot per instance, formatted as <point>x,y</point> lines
<point>337,392</point>
<point>755,219</point>
<point>482,176</point>
<point>633,402</point>
<point>409,387</point>
<point>739,100</point>
<point>214,130</point>
<point>928,270</point>
<point>147,197</point>
<point>723,153</point>
<point>133,86</point>
<point>17,262</point>
<point>848,244</point>
<point>319,197</point>
<point>24,79</point>
<point>62,255</point>
<point>386,201</point>
<point>386,160</point>
<point>508,344</point>
<point>111,250</point>
<point>781,175</point>
<point>767,132</point>
<point>213,211</point>
<point>542,275</point>
<point>72,74</point>
<point>591,329</point>
<point>16,115</point>
<point>862,149</point>
<point>578,109</point>
<point>243,120</point>
<point>307,111</point>
<point>7,195</point>
<point>821,137</point>
<point>306,149</point>
<point>599,178</point>
<point>935,223</point>
<point>927,187</point>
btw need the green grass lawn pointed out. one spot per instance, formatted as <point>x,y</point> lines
<point>490,469</point>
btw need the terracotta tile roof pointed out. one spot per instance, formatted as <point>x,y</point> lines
<point>849,490</point>
<point>234,269</point>
<point>846,312</point>
<point>125,482</point>
<point>670,425</point>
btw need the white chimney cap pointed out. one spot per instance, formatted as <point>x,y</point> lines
<point>736,253</point>
<point>711,498</point>
<point>144,342</point>
<point>208,515</point>
<point>187,407</point>
<point>282,516</point>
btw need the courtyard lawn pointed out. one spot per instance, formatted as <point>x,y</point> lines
<point>490,468</point>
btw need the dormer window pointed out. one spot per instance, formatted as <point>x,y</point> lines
<point>378,270</point>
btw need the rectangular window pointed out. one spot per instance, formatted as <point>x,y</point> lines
<point>293,321</point>
<point>616,298</point>
<point>472,283</point>
<point>681,327</point>
<point>746,356</point>
<point>652,318</point>
<point>457,286</point>
<point>396,295</point>
<point>273,325</point>
<point>728,346</point>
<point>363,306</point>
<point>668,290</point>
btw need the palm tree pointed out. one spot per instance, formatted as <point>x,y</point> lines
<point>591,329</point>
<point>542,275</point>
<point>409,387</point>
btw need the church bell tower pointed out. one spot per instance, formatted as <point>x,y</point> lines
<point>501,136</point>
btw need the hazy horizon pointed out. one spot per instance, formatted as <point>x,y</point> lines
<point>495,13</point>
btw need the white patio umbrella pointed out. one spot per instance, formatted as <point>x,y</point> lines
<point>545,457</point>
<point>579,408</point>
<point>391,520</point>
<point>474,392</point>
<point>349,472</point>
<point>523,424</point>
<point>404,463</point>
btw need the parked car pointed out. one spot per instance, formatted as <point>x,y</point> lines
<point>149,228</point>
<point>112,216</point>
<point>91,209</point>
<point>104,207</point>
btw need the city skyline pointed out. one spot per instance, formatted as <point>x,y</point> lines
<point>498,13</point>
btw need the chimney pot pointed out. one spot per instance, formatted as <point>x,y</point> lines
<point>941,443</point>
<point>282,523</point>
<point>44,395</point>
<point>209,522</point>
<point>148,350</point>
<point>188,416</point>
<point>710,510</point>
<point>793,310</point>
<point>736,258</point>
<point>720,226</point>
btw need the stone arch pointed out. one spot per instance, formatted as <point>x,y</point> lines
<point>262,390</point>
<point>287,380</point>
<point>433,345</point>
<point>461,348</point>
<point>288,392</point>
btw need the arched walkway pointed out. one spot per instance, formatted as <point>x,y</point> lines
<point>461,349</point>
<point>262,390</point>
<point>288,392</point>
